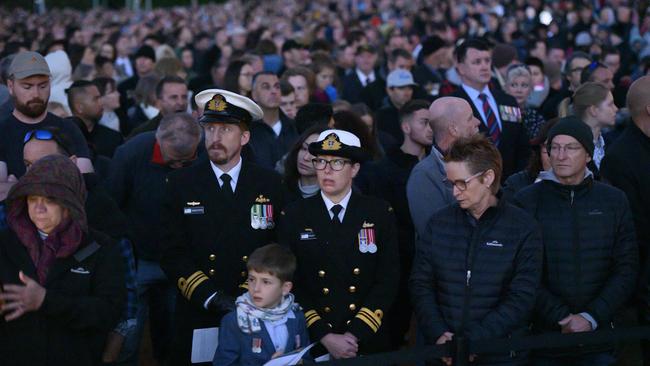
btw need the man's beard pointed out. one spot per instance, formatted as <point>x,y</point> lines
<point>34,108</point>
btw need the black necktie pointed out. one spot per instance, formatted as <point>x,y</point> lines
<point>336,209</point>
<point>226,188</point>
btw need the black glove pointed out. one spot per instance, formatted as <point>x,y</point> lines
<point>221,303</point>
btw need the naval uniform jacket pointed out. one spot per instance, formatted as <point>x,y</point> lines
<point>207,238</point>
<point>340,288</point>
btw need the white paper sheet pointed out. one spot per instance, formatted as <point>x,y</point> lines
<point>291,358</point>
<point>323,358</point>
<point>204,344</point>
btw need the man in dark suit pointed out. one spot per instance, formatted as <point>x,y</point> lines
<point>346,250</point>
<point>499,112</point>
<point>363,84</point>
<point>214,215</point>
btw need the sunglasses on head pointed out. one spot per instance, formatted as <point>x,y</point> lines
<point>45,135</point>
<point>39,135</point>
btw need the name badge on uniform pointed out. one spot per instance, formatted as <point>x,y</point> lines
<point>308,234</point>
<point>510,113</point>
<point>257,345</point>
<point>193,208</point>
<point>262,214</point>
<point>366,237</point>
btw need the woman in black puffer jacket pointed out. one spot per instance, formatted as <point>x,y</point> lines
<point>477,267</point>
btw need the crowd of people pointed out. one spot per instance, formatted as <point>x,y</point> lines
<point>251,179</point>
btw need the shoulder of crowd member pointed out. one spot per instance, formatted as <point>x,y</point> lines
<point>101,238</point>
<point>107,216</point>
<point>526,196</point>
<point>444,215</point>
<point>139,145</point>
<point>609,193</point>
<point>519,216</point>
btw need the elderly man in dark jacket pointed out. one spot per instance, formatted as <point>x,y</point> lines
<point>478,264</point>
<point>590,264</point>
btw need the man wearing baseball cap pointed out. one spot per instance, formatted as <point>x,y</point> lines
<point>29,86</point>
<point>399,87</point>
<point>346,249</point>
<point>214,214</point>
<point>591,255</point>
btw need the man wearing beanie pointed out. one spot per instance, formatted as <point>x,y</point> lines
<point>590,250</point>
<point>432,64</point>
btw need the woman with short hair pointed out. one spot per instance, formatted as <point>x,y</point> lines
<point>519,84</point>
<point>478,264</point>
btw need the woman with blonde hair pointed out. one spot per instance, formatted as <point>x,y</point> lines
<point>594,104</point>
<point>519,84</point>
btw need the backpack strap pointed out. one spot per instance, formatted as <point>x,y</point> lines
<point>86,251</point>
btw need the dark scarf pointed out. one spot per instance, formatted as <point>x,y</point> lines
<point>60,243</point>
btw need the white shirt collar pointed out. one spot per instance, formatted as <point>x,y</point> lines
<point>473,93</point>
<point>233,173</point>
<point>277,128</point>
<point>344,203</point>
<point>363,77</point>
<point>149,110</point>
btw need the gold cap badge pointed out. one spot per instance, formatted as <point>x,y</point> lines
<point>262,199</point>
<point>331,143</point>
<point>217,103</point>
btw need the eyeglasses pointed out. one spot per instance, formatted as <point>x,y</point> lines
<point>335,164</point>
<point>570,149</point>
<point>461,184</point>
<point>45,135</point>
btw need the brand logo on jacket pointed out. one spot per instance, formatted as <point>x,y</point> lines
<point>493,243</point>
<point>80,270</point>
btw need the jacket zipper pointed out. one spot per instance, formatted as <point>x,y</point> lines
<point>576,242</point>
<point>469,262</point>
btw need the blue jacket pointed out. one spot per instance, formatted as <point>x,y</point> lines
<point>235,346</point>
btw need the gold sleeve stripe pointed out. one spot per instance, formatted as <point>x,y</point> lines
<point>191,286</point>
<point>376,316</point>
<point>182,282</point>
<point>195,285</point>
<point>370,317</point>
<point>188,286</point>
<point>369,322</point>
<point>311,317</point>
<point>192,281</point>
